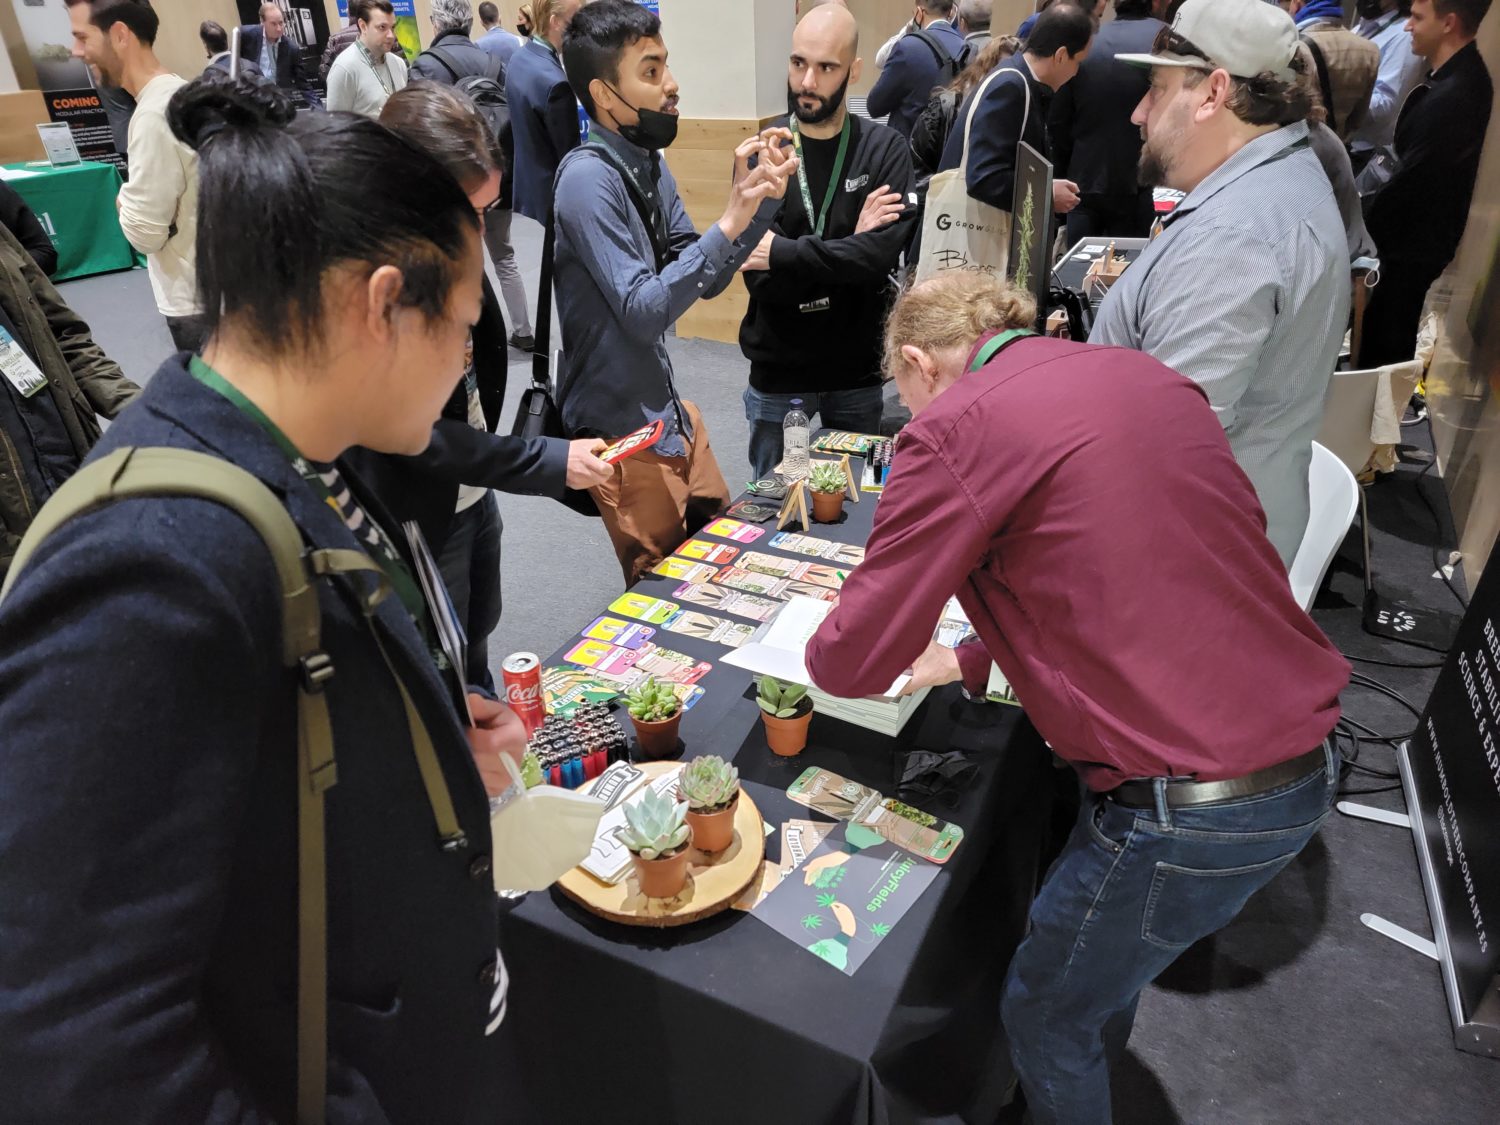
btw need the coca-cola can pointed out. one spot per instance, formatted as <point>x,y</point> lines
<point>522,672</point>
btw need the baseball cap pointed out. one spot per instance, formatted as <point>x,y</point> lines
<point>1244,37</point>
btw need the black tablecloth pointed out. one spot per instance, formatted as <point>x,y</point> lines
<point>1069,270</point>
<point>726,1020</point>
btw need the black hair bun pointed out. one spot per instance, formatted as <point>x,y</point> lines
<point>213,102</point>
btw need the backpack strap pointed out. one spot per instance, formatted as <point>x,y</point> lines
<point>938,50</point>
<point>1325,82</point>
<point>136,472</point>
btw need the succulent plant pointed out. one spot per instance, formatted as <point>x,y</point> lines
<point>708,782</point>
<point>654,825</point>
<point>652,701</point>
<point>827,476</point>
<point>781,699</point>
<point>531,770</point>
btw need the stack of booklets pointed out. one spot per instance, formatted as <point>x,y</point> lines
<point>777,649</point>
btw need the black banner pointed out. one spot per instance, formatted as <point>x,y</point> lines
<point>83,113</point>
<point>1452,776</point>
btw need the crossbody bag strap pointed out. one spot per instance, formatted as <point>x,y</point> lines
<point>660,247</point>
<point>963,156</point>
<point>541,349</point>
<point>1325,82</point>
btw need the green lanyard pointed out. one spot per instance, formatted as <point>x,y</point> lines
<point>993,346</point>
<point>382,73</point>
<point>382,552</point>
<point>833,180</point>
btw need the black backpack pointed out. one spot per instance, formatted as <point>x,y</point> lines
<point>949,66</point>
<point>487,92</point>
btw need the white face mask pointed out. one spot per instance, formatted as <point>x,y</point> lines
<point>540,835</point>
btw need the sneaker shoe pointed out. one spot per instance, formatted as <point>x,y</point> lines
<point>522,343</point>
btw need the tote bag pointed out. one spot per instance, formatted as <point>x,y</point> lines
<point>958,231</point>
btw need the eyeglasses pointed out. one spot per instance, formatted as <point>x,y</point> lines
<point>492,205</point>
<point>1168,41</point>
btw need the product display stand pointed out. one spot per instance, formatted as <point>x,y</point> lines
<point>851,486</point>
<point>795,505</point>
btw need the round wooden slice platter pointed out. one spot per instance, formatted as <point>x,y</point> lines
<point>713,882</point>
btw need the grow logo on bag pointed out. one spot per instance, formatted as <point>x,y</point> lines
<point>945,221</point>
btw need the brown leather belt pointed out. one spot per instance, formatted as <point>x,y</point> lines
<point>1142,794</point>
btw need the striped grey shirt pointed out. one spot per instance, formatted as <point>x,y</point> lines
<point>1246,292</point>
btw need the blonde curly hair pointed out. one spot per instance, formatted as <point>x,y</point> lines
<point>953,310</point>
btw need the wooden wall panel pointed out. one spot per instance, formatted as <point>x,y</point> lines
<point>701,160</point>
<point>20,114</point>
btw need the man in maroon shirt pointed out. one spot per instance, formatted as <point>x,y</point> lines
<point>1132,599</point>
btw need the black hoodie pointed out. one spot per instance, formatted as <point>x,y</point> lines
<point>815,316</point>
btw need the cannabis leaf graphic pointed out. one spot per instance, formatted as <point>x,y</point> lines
<point>827,899</point>
<point>879,929</point>
<point>812,922</point>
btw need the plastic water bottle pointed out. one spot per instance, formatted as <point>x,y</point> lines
<point>794,429</point>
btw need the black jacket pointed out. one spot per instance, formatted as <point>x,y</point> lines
<point>21,221</point>
<point>463,54</point>
<point>1001,121</point>
<point>148,892</point>
<point>795,342</point>
<point>1092,140</point>
<point>1419,215</point>
<point>288,74</point>
<point>425,487</point>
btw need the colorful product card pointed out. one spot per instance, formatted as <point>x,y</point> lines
<point>848,896</point>
<point>674,667</point>
<point>869,811</point>
<point>799,839</point>
<point>769,587</point>
<point>706,627</point>
<point>841,441</point>
<point>705,551</point>
<point>819,574</point>
<point>734,529</point>
<point>603,657</point>
<point>727,600</point>
<point>750,510</point>
<point>625,634</point>
<point>564,690</point>
<point>653,610</point>
<point>846,553</point>
<point>684,571</point>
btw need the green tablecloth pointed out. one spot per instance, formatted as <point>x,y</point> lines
<point>77,206</point>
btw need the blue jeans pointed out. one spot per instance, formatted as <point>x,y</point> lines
<point>470,566</point>
<point>857,410</point>
<point>1132,889</point>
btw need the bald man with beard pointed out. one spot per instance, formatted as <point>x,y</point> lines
<point>819,281</point>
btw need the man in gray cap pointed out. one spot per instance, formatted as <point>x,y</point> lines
<point>1246,290</point>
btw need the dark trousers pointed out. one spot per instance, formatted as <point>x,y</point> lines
<point>1395,310</point>
<point>1111,216</point>
<point>189,333</point>
<point>470,566</point>
<point>1132,890</point>
<point>856,410</point>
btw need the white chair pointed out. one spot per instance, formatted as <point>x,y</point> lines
<point>1333,496</point>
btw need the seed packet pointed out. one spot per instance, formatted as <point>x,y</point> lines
<point>911,829</point>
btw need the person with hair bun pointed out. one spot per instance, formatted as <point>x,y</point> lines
<point>149,856</point>
<point>1142,618</point>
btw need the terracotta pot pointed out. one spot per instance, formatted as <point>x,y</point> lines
<point>713,832</point>
<point>656,741</point>
<point>828,506</point>
<point>787,737</point>
<point>664,876</point>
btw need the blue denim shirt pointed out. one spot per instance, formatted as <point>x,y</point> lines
<point>614,307</point>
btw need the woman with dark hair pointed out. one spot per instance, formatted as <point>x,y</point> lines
<point>157,957</point>
<point>446,489</point>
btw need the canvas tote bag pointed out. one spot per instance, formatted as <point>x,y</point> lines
<point>958,231</point>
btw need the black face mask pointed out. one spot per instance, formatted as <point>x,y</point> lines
<point>829,107</point>
<point>653,130</point>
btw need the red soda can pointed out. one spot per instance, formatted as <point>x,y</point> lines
<point>522,672</point>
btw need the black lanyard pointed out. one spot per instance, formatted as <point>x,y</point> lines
<point>821,217</point>
<point>651,216</point>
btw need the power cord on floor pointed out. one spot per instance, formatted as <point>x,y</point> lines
<point>1358,734</point>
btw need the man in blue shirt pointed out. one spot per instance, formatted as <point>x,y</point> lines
<point>543,112</point>
<point>496,40</point>
<point>1383,22</point>
<point>629,263</point>
<point>923,58</point>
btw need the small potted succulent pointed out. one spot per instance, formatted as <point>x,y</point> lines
<point>787,711</point>
<point>656,712</point>
<point>658,837</point>
<point>711,787</point>
<point>829,486</point>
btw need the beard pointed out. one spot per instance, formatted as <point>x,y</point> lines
<point>1159,152</point>
<point>827,107</point>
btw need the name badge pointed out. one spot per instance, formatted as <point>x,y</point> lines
<point>23,374</point>
<point>822,304</point>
